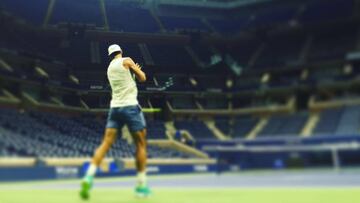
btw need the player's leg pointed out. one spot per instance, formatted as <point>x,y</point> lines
<point>142,189</point>
<point>140,156</point>
<point>136,123</point>
<point>113,124</point>
<point>108,140</point>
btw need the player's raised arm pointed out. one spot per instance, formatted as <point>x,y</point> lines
<point>136,68</point>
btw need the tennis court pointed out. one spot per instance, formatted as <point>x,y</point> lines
<point>257,187</point>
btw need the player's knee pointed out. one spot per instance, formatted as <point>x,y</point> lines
<point>110,136</point>
<point>140,138</point>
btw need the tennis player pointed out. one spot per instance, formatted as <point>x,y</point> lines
<point>124,110</point>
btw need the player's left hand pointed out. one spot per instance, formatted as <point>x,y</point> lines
<point>139,66</point>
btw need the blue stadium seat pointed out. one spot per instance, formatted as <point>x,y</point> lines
<point>242,126</point>
<point>281,51</point>
<point>284,125</point>
<point>242,53</point>
<point>33,12</point>
<point>169,54</point>
<point>203,52</point>
<point>329,121</point>
<point>325,10</point>
<point>215,103</point>
<point>349,123</point>
<point>173,23</point>
<point>128,17</point>
<point>80,11</point>
<point>184,102</point>
<point>156,129</point>
<point>230,25</point>
<point>223,124</point>
<point>197,128</point>
<point>275,15</point>
<point>330,44</point>
<point>57,135</point>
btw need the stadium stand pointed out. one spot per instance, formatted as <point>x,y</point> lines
<point>320,11</point>
<point>334,45</point>
<point>124,17</point>
<point>281,14</point>
<point>329,120</point>
<point>204,53</point>
<point>60,136</point>
<point>230,25</point>
<point>156,129</point>
<point>284,125</point>
<point>246,83</point>
<point>210,82</point>
<point>184,102</point>
<point>281,51</point>
<point>183,24</point>
<point>297,49</point>
<point>173,82</point>
<point>214,103</point>
<point>34,12</point>
<point>349,121</point>
<point>196,128</point>
<point>243,53</point>
<point>242,126</point>
<point>82,11</point>
<point>223,124</point>
<point>168,54</point>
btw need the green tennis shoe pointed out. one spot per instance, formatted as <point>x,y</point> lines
<point>86,186</point>
<point>142,192</point>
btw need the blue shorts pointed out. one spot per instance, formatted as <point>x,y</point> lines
<point>132,116</point>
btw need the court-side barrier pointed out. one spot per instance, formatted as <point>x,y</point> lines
<point>280,140</point>
<point>158,167</point>
<point>72,168</point>
<point>27,173</point>
<point>16,169</point>
<point>290,152</point>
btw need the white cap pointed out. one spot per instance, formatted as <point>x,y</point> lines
<point>114,48</point>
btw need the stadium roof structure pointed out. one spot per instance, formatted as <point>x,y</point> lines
<point>218,4</point>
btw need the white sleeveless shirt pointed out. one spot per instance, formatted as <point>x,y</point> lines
<point>123,86</point>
